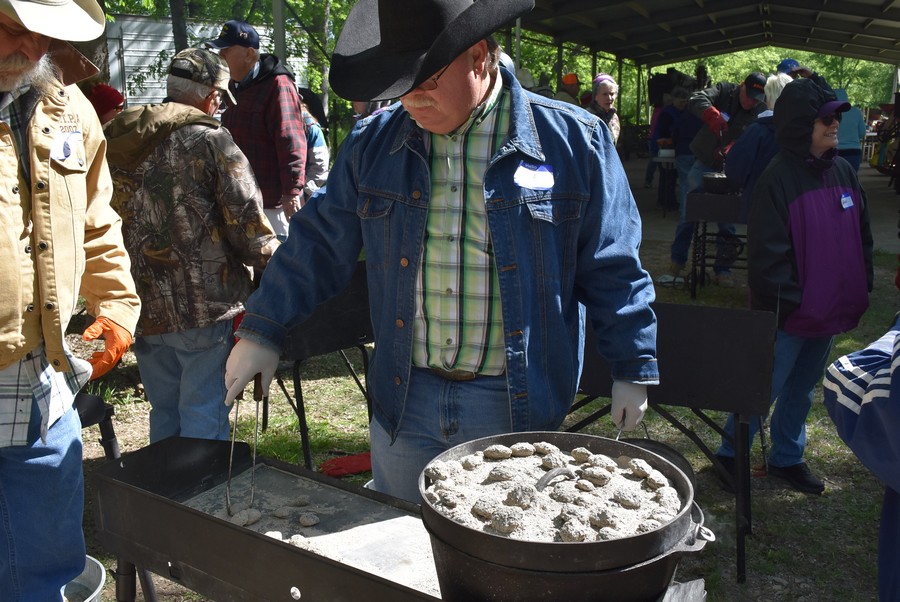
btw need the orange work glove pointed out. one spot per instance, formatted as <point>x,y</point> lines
<point>117,339</point>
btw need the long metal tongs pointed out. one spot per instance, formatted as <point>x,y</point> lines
<point>257,398</point>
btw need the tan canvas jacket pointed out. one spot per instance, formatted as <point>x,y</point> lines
<point>60,237</point>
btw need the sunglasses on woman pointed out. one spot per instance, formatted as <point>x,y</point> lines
<point>829,119</point>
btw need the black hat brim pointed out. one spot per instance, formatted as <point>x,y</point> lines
<point>362,68</point>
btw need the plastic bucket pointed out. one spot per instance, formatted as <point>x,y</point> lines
<point>88,586</point>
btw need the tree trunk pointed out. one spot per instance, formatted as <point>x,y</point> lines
<point>179,25</point>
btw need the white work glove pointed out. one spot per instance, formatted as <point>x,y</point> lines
<point>629,402</point>
<point>245,361</point>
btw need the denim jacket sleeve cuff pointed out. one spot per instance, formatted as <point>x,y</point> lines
<point>644,372</point>
<point>262,330</point>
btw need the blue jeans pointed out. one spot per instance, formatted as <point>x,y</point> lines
<point>184,378</point>
<point>799,364</point>
<point>439,414</point>
<point>41,511</point>
<point>690,175</point>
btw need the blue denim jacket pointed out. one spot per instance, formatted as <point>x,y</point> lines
<point>562,244</point>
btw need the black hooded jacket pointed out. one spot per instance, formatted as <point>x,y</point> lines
<point>810,243</point>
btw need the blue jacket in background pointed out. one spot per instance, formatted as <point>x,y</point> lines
<point>853,125</point>
<point>750,156</point>
<point>565,232</point>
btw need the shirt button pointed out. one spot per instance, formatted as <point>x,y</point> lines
<point>404,262</point>
<point>30,307</point>
<point>449,291</point>
<point>43,245</point>
<point>28,249</point>
<point>41,185</point>
<point>397,380</point>
<point>449,341</point>
<point>453,189</point>
<point>56,362</point>
<point>417,194</point>
<point>46,130</point>
<point>15,190</point>
<point>400,324</point>
<point>49,306</point>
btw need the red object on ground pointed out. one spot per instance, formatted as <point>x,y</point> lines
<point>344,465</point>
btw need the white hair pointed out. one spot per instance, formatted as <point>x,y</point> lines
<point>774,85</point>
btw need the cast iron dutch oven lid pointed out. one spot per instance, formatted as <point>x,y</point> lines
<point>558,556</point>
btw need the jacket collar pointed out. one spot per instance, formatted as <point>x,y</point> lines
<point>73,66</point>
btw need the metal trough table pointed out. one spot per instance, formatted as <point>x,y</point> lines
<point>162,508</point>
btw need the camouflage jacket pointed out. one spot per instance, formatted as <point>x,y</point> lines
<point>192,215</point>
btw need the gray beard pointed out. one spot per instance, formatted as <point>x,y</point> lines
<point>17,71</point>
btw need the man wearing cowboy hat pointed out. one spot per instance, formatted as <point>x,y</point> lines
<point>62,240</point>
<point>491,219</point>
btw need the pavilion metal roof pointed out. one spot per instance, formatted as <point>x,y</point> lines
<point>657,32</point>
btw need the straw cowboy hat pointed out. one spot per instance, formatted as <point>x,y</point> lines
<point>69,20</point>
<point>389,47</point>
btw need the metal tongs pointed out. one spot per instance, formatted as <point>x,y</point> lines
<point>257,397</point>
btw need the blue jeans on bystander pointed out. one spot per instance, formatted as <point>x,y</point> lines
<point>184,379</point>
<point>41,511</point>
<point>799,364</point>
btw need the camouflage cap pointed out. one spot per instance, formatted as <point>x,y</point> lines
<point>201,66</point>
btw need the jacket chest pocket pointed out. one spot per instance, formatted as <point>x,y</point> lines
<point>554,212</point>
<point>68,173</point>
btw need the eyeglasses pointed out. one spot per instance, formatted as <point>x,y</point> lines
<point>432,82</point>
<point>829,119</point>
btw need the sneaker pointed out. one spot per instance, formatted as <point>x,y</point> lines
<point>800,477</point>
<point>725,280</point>
<point>675,275</point>
<point>726,479</point>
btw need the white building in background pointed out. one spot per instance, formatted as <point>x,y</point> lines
<point>140,49</point>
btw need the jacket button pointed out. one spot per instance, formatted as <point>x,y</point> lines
<point>397,380</point>
<point>30,307</point>
<point>28,249</point>
<point>400,323</point>
<point>41,185</point>
<point>43,245</point>
<point>417,194</point>
<point>49,306</point>
<point>15,190</point>
<point>404,262</point>
<point>56,362</point>
<point>46,130</point>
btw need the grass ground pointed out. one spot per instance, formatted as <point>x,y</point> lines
<point>803,548</point>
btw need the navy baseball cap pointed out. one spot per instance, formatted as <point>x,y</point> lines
<point>755,86</point>
<point>235,33</point>
<point>787,66</point>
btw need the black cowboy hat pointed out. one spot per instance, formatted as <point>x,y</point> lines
<point>389,47</point>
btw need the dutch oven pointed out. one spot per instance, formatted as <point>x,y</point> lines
<point>716,182</point>
<point>477,565</point>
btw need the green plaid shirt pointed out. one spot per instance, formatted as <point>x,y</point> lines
<point>458,322</point>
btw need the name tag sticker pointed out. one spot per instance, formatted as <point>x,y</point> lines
<point>535,177</point>
<point>64,144</point>
<point>846,200</point>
